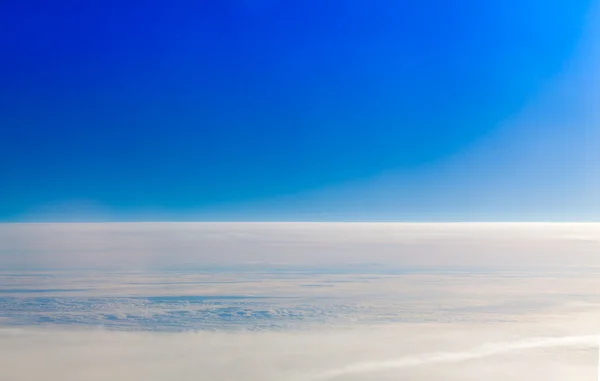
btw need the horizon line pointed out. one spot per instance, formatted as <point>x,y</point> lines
<point>413,222</point>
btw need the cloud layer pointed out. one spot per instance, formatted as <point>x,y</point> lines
<point>181,301</point>
<point>299,302</point>
<point>523,351</point>
<point>143,246</point>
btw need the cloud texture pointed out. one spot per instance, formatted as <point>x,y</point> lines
<point>299,302</point>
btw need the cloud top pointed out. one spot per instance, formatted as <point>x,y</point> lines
<point>142,246</point>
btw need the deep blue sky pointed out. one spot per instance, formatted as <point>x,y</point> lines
<point>175,108</point>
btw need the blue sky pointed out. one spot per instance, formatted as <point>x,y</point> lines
<point>298,110</point>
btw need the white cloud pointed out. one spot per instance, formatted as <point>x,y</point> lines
<point>358,313</point>
<point>449,351</point>
<point>487,350</point>
<point>179,245</point>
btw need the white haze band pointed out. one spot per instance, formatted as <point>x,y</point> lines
<point>453,357</point>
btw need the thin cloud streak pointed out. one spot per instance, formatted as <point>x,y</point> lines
<point>491,349</point>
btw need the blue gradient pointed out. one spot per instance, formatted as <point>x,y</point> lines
<point>219,109</point>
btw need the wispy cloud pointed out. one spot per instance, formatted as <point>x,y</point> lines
<point>490,349</point>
